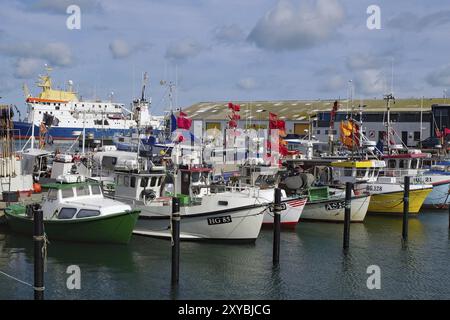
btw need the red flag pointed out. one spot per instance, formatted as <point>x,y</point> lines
<point>234,116</point>
<point>272,116</point>
<point>232,124</point>
<point>183,123</point>
<point>183,114</point>
<point>281,125</point>
<point>234,107</point>
<point>446,131</point>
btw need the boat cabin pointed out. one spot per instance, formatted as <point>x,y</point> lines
<point>357,171</point>
<point>63,200</point>
<point>398,165</point>
<point>139,186</point>
<point>193,181</point>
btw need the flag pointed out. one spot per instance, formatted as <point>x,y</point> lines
<point>234,107</point>
<point>234,116</point>
<point>446,131</point>
<point>232,124</point>
<point>183,114</point>
<point>173,123</point>
<point>184,123</point>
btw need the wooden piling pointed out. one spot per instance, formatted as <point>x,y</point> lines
<point>39,242</point>
<point>276,226</point>
<point>405,208</point>
<point>175,240</point>
<point>347,214</point>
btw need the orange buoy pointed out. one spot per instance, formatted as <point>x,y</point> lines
<point>37,188</point>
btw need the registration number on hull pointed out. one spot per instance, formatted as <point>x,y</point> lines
<point>335,205</point>
<point>219,220</point>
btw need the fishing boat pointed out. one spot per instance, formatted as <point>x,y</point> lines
<point>387,191</point>
<point>207,212</point>
<point>75,210</point>
<point>266,177</point>
<point>411,163</point>
<point>15,173</point>
<point>440,196</point>
<point>328,205</point>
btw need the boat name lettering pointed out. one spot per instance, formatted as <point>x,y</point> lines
<point>335,205</point>
<point>282,206</point>
<point>372,188</point>
<point>219,220</point>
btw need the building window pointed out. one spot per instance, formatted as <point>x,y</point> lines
<point>416,135</point>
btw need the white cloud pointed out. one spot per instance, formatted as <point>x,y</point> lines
<point>333,83</point>
<point>287,27</point>
<point>247,83</point>
<point>229,34</point>
<point>361,61</point>
<point>120,49</point>
<point>440,77</point>
<point>183,50</point>
<point>407,21</point>
<point>27,67</point>
<point>370,82</point>
<point>55,53</point>
<point>60,6</point>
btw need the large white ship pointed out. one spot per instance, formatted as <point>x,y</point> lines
<point>61,115</point>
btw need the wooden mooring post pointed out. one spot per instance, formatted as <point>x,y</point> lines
<point>347,214</point>
<point>175,240</point>
<point>405,208</point>
<point>39,253</point>
<point>276,226</point>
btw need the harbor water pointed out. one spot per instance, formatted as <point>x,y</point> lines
<point>312,265</point>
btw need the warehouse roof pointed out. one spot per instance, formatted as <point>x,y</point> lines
<point>299,109</point>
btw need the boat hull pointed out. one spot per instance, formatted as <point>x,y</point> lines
<point>333,210</point>
<point>290,214</point>
<point>393,202</point>
<point>115,228</point>
<point>439,197</point>
<point>22,130</point>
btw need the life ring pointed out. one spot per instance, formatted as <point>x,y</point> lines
<point>148,196</point>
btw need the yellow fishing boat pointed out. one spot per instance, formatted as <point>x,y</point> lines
<point>387,192</point>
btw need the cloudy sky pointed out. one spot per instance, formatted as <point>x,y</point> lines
<point>227,50</point>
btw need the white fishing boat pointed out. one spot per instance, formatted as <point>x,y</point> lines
<point>266,177</point>
<point>207,212</point>
<point>328,205</point>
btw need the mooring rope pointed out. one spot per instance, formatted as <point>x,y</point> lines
<point>14,278</point>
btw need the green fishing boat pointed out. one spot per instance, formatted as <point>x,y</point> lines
<point>77,211</point>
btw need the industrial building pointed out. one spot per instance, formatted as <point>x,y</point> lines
<point>413,120</point>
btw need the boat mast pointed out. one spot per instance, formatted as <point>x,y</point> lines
<point>84,131</point>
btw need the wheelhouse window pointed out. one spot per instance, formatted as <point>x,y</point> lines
<point>414,163</point>
<point>401,164</point>
<point>95,189</point>
<point>153,181</point>
<point>66,213</point>
<point>144,182</point>
<point>348,172</point>
<point>360,173</point>
<point>52,194</point>
<point>392,163</point>
<point>67,193</point>
<point>126,181</point>
<point>133,182</point>
<point>82,191</point>
<point>86,213</point>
